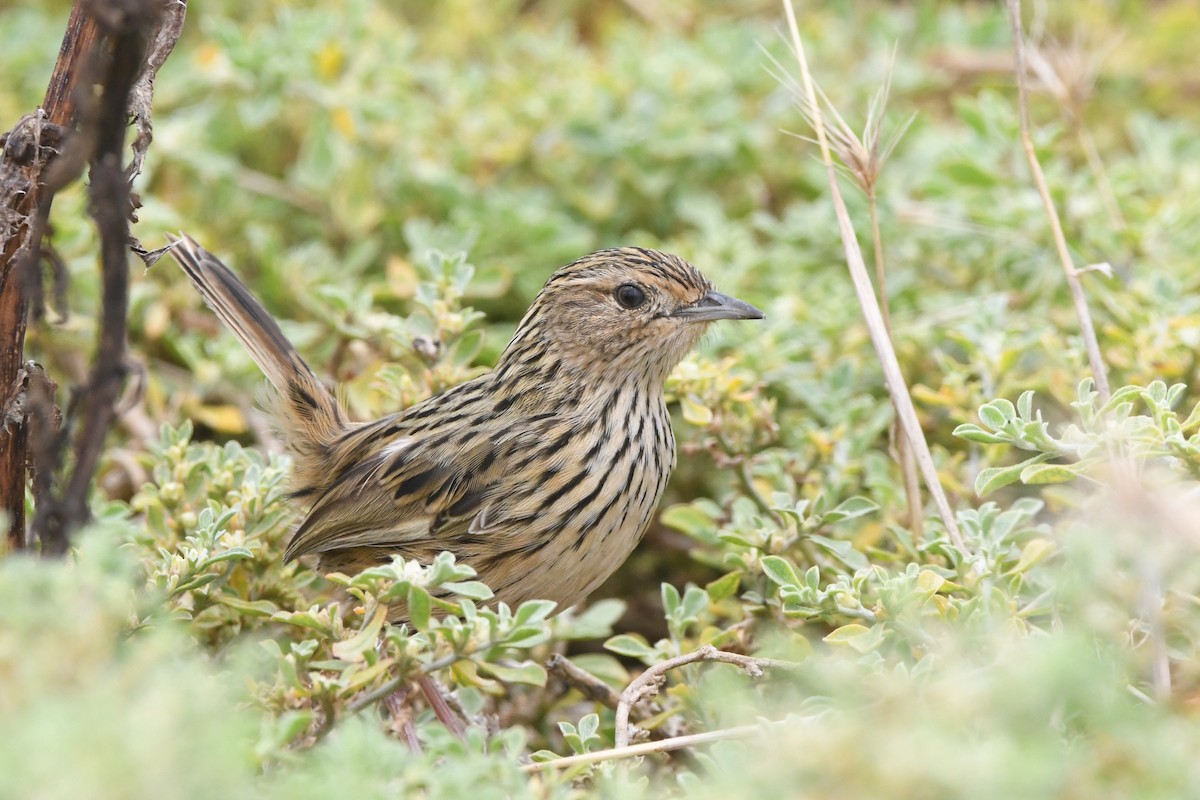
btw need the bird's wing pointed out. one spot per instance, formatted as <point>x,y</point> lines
<point>407,493</point>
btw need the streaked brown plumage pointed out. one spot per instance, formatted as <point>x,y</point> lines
<point>542,474</point>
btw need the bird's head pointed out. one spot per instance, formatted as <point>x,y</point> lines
<point>628,310</point>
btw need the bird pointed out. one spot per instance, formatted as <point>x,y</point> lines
<point>541,474</point>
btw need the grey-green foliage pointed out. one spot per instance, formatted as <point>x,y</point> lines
<point>377,172</point>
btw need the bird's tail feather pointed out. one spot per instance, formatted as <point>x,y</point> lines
<point>308,413</point>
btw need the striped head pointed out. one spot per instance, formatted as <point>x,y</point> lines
<point>628,312</point>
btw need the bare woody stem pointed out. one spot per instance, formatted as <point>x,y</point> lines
<point>646,684</point>
<point>896,385</point>
<point>1086,328</point>
<point>908,463</point>
<point>111,206</point>
<point>22,194</point>
<point>645,748</point>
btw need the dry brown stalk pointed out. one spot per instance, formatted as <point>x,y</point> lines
<point>1086,328</point>
<point>897,388</point>
<point>661,746</point>
<point>647,684</point>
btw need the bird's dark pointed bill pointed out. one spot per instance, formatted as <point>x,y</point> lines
<point>714,306</point>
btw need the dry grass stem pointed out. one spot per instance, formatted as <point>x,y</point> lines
<point>1071,77</point>
<point>862,159</point>
<point>1087,329</point>
<point>647,684</point>
<point>661,746</point>
<point>873,316</point>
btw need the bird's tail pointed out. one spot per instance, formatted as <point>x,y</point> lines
<point>309,415</point>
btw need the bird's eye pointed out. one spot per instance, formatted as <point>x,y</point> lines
<point>630,296</point>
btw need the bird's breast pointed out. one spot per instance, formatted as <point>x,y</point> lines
<point>586,504</point>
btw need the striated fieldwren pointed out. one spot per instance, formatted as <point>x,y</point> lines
<point>541,474</point>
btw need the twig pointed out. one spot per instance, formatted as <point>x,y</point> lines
<point>646,684</point>
<point>24,204</point>
<point>894,378</point>
<point>402,721</point>
<point>110,205</point>
<point>1086,328</point>
<point>437,702</point>
<point>385,689</point>
<point>588,684</point>
<point>661,746</point>
<point>166,33</point>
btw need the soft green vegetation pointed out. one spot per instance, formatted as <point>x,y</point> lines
<point>354,160</point>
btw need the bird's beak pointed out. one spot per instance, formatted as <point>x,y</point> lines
<point>714,306</point>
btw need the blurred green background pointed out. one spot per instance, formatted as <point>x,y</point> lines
<point>348,159</point>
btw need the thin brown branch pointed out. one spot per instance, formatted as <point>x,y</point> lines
<point>647,684</point>
<point>661,746</point>
<point>585,682</point>
<point>894,377</point>
<point>1086,328</point>
<point>111,207</point>
<point>24,205</point>
<point>904,450</point>
<point>437,702</point>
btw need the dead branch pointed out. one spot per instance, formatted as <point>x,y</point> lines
<point>662,746</point>
<point>587,684</point>
<point>647,684</point>
<point>27,152</point>
<point>125,27</point>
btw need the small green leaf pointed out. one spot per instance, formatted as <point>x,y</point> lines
<point>695,601</point>
<point>1193,419</point>
<point>475,590</point>
<point>973,433</point>
<point>526,636</point>
<point>232,554</point>
<point>419,604</point>
<point>780,571</point>
<point>1174,393</point>
<point>1025,405</point>
<point>929,581</point>
<point>253,608</point>
<point>690,520</point>
<point>670,599</point>
<point>1034,552</point>
<point>525,672</point>
<point>997,413</point>
<point>1122,395</point>
<point>859,637</point>
<point>850,508</point>
<point>354,649</point>
<point>539,610</point>
<point>968,173</point>
<point>695,411</point>
<point>812,576</point>
<point>724,587</point>
<point>993,478</point>
<point>588,726</point>
<point>843,550</point>
<point>1048,473</point>
<point>630,644</point>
